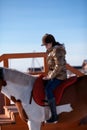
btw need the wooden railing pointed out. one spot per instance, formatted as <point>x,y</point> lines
<point>5,59</point>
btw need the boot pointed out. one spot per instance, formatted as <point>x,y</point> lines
<point>54,116</point>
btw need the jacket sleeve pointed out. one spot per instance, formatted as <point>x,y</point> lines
<point>59,59</point>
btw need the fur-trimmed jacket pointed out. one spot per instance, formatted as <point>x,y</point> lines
<point>56,62</point>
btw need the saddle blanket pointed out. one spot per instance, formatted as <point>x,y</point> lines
<point>39,92</point>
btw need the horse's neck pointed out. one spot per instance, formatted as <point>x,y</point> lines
<point>18,84</point>
<point>18,77</point>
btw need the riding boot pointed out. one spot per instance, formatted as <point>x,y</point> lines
<point>54,116</point>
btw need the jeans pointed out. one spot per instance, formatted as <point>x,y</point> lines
<point>50,86</point>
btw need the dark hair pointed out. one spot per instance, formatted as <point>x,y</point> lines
<point>49,38</point>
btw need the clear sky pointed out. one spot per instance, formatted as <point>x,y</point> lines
<point>24,22</point>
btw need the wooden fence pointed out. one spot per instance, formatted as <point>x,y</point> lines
<point>5,59</point>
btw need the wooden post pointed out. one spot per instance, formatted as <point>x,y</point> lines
<point>45,64</point>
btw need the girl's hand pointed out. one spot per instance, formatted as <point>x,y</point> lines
<point>46,78</point>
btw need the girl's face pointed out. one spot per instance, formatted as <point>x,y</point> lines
<point>48,46</point>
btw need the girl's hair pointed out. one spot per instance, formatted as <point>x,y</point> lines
<point>49,38</point>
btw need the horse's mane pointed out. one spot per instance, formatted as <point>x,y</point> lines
<point>18,77</point>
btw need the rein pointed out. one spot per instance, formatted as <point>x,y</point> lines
<point>31,96</point>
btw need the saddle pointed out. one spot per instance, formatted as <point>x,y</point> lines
<point>39,91</point>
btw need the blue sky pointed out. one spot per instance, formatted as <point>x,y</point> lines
<point>24,22</point>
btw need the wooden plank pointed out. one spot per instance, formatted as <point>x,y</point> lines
<point>73,70</point>
<point>4,120</point>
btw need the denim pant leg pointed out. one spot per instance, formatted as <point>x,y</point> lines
<point>50,86</point>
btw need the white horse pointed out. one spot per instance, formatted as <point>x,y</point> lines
<point>20,85</point>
